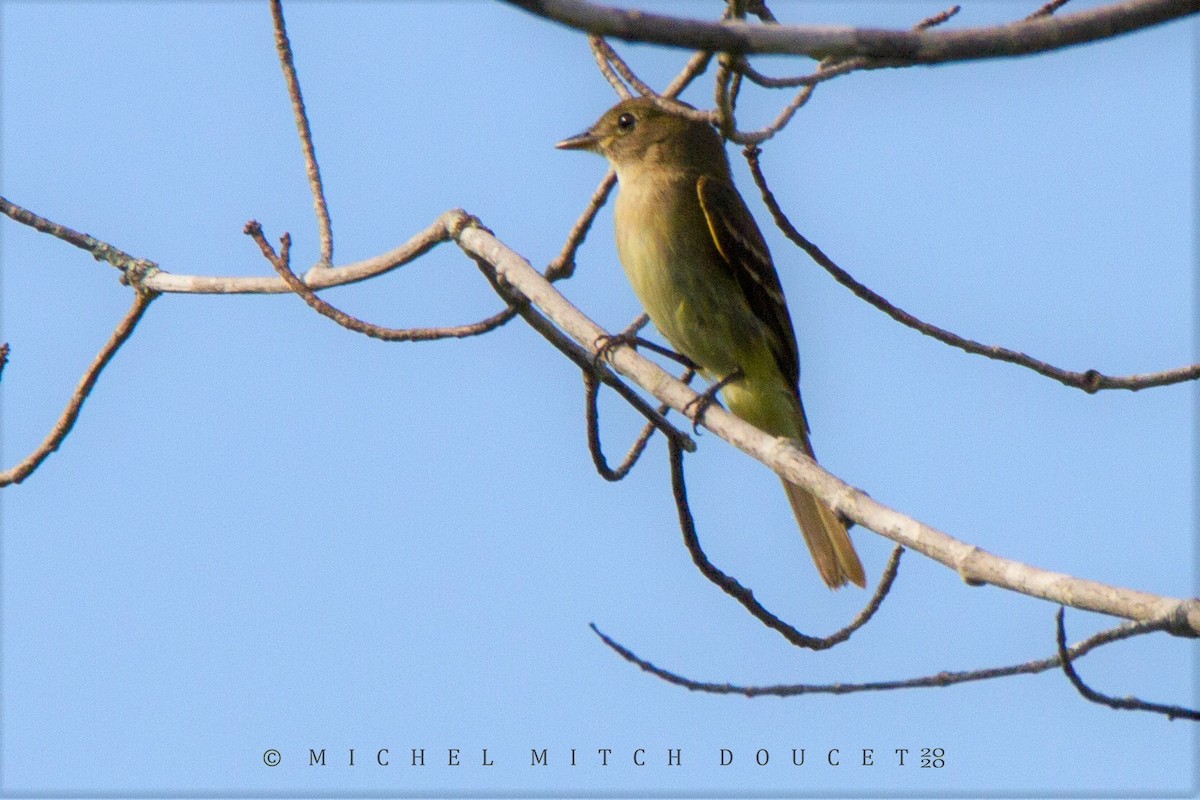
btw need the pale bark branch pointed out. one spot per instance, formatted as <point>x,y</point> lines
<point>974,565</point>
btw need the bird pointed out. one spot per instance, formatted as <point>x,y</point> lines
<point>700,267</point>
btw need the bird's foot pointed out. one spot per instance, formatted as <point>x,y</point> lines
<point>696,407</point>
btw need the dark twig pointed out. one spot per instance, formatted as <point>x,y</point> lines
<point>284,47</point>
<point>694,67</point>
<point>1048,9</point>
<point>582,358</point>
<point>940,679</point>
<point>940,18</point>
<point>4,350</point>
<point>591,387</point>
<point>759,9</point>
<point>563,265</point>
<point>1119,703</point>
<point>828,69</point>
<point>280,262</point>
<point>1089,381</point>
<point>629,338</point>
<point>605,54</point>
<point>600,51</point>
<point>124,329</point>
<point>731,587</point>
<point>136,268</point>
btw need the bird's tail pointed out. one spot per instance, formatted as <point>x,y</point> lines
<point>827,539</point>
<point>776,408</point>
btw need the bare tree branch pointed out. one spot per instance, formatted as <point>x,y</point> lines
<point>284,48</point>
<point>938,680</point>
<point>976,566</point>
<point>583,358</point>
<point>133,269</point>
<point>1048,9</point>
<point>66,421</point>
<point>886,48</point>
<point>280,262</point>
<point>1089,381</point>
<point>730,585</point>
<point>563,265</point>
<point>150,276</point>
<point>695,67</point>
<point>592,411</point>
<point>1118,703</point>
<point>608,60</point>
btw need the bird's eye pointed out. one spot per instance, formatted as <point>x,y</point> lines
<point>626,121</point>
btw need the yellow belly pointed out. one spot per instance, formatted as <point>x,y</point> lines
<point>693,299</point>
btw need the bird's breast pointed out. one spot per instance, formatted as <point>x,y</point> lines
<point>690,294</point>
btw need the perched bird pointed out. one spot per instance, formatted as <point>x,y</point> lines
<point>699,265</point>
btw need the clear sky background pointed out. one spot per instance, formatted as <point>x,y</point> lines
<point>268,532</point>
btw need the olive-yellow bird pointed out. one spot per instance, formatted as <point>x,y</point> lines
<point>699,265</point>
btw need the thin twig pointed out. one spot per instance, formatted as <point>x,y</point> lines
<point>737,591</point>
<point>759,9</point>
<point>1048,9</point>
<point>601,51</point>
<point>694,67</point>
<point>726,114</point>
<point>124,329</point>
<point>591,388</point>
<point>618,63</point>
<point>563,265</point>
<point>1118,703</point>
<point>938,680</point>
<point>137,268</point>
<point>828,69</point>
<point>1089,381</point>
<point>284,48</point>
<point>943,16</point>
<point>280,262</point>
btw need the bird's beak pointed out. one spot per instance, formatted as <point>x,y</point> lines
<point>582,141</point>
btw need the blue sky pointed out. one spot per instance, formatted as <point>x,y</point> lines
<point>268,532</point>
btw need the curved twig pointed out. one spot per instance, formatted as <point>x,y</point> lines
<point>66,421</point>
<point>1090,381</point>
<point>1118,703</point>
<point>737,591</point>
<point>591,385</point>
<point>563,265</point>
<point>148,275</point>
<point>938,680</point>
<point>280,262</point>
<point>608,60</point>
<point>886,48</point>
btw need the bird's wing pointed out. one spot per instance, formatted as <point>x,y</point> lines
<point>743,249</point>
